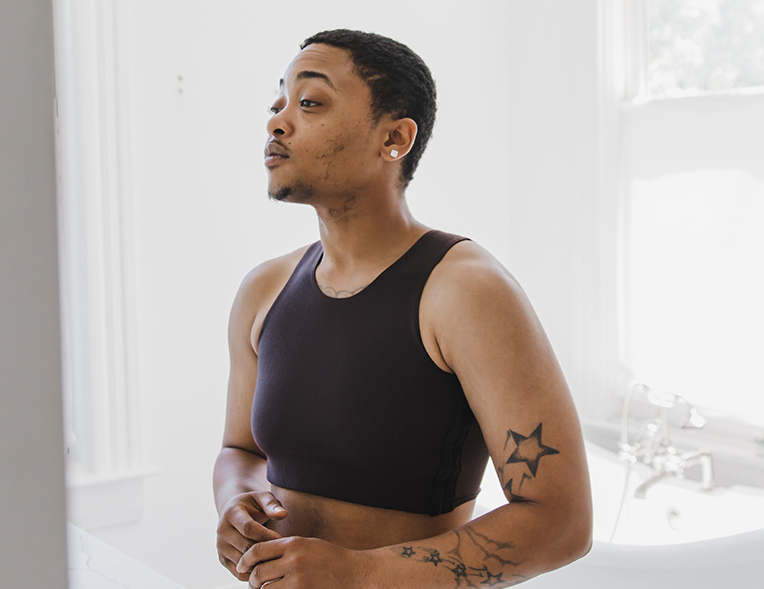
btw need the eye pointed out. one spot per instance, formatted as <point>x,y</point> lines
<point>277,106</point>
<point>305,103</point>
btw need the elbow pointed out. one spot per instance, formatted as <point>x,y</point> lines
<point>578,537</point>
<point>569,535</point>
<point>576,517</point>
<point>581,546</point>
<point>567,538</point>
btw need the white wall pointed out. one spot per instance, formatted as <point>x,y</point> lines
<point>511,164</point>
<point>562,223</point>
<point>32,506</point>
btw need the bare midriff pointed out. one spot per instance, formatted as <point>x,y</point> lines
<point>356,526</point>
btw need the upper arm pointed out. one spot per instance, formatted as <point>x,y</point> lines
<point>254,298</point>
<point>243,366</point>
<point>489,335</point>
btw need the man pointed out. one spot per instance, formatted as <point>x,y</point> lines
<point>374,371</point>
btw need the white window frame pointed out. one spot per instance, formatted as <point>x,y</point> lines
<point>601,322</point>
<point>96,264</point>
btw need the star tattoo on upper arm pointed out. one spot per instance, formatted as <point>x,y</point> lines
<point>529,449</point>
<point>511,495</point>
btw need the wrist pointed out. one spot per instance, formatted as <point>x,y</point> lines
<point>370,567</point>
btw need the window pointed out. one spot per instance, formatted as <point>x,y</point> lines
<point>693,208</point>
<point>104,465</point>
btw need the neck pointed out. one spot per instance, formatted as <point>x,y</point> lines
<point>359,235</point>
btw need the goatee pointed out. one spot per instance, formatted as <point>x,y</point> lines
<point>297,193</point>
<point>280,193</point>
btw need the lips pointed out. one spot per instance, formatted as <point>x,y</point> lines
<point>273,148</point>
<point>275,153</point>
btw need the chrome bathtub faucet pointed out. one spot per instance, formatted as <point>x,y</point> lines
<point>653,445</point>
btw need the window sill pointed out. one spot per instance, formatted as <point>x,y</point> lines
<point>697,95</point>
<point>103,500</point>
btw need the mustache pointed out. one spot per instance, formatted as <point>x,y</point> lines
<point>275,147</point>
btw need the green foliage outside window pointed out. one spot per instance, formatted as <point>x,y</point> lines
<point>705,45</point>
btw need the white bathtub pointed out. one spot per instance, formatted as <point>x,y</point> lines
<point>673,512</point>
<point>677,537</point>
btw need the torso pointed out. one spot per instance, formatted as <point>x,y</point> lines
<point>349,524</point>
<point>356,526</point>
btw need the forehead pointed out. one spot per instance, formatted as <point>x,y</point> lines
<point>330,65</point>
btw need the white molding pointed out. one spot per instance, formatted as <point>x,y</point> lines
<point>634,56</point>
<point>95,239</point>
<point>601,245</point>
<point>622,46</point>
<point>98,501</point>
<point>635,47</point>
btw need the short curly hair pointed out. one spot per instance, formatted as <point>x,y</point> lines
<point>400,82</point>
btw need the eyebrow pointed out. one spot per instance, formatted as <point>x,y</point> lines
<point>306,74</point>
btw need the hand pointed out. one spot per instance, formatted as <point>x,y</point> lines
<point>298,563</point>
<point>241,526</point>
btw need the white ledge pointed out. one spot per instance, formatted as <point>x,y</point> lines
<point>102,500</point>
<point>93,564</point>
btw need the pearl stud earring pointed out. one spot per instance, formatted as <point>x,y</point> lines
<point>393,153</point>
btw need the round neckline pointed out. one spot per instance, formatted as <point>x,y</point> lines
<point>314,280</point>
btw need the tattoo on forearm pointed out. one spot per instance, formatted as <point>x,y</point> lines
<point>497,560</point>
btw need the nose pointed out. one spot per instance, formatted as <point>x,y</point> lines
<point>278,125</point>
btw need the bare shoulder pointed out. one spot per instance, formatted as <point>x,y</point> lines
<point>269,275</point>
<point>259,289</point>
<point>471,299</point>
<point>470,274</point>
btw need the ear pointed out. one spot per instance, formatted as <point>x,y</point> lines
<point>400,137</point>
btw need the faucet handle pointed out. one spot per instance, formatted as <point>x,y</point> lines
<point>662,399</point>
<point>666,400</point>
<point>694,419</point>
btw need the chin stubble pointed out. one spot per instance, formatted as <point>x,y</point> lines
<point>297,193</point>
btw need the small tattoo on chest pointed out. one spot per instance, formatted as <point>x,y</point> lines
<point>339,294</point>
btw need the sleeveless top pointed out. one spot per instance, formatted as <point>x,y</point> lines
<point>349,405</point>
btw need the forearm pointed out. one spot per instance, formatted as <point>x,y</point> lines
<point>238,471</point>
<point>502,548</point>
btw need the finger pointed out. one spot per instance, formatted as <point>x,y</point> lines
<point>231,566</point>
<point>242,521</point>
<point>271,506</point>
<point>266,573</point>
<point>260,553</point>
<point>228,552</point>
<point>275,584</point>
<point>232,538</point>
